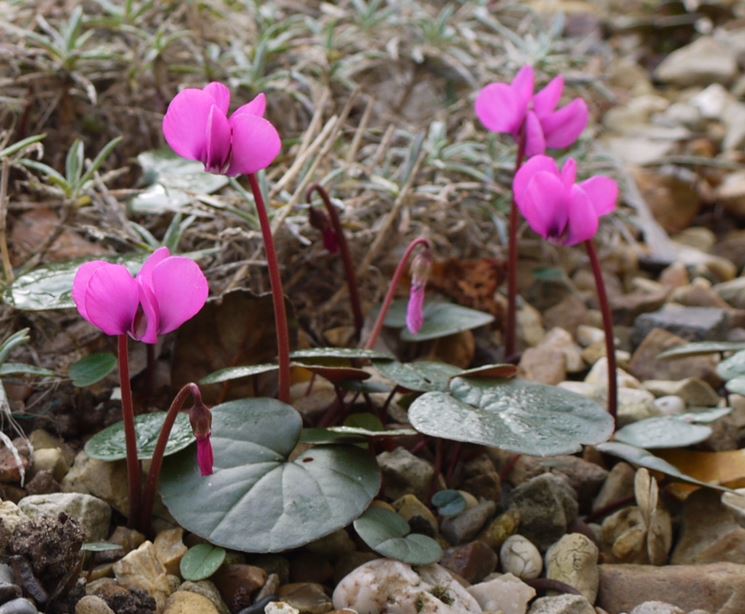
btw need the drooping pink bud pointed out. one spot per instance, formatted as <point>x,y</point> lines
<point>320,221</point>
<point>200,418</point>
<point>205,455</point>
<point>420,269</point>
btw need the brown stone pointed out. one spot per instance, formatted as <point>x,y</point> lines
<point>718,587</point>
<point>308,597</point>
<point>238,584</point>
<point>543,364</point>
<point>671,194</point>
<point>645,365</point>
<point>568,314</point>
<point>481,479</point>
<point>10,470</point>
<point>473,561</point>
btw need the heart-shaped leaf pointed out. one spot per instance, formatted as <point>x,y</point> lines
<point>92,369</point>
<point>389,534</point>
<point>662,432</point>
<point>642,458</point>
<point>336,374</point>
<point>201,561</point>
<point>420,376</point>
<point>733,367</point>
<point>109,444</point>
<point>440,320</point>
<point>702,347</point>
<point>231,373</point>
<point>513,415</point>
<point>349,434</point>
<point>491,371</point>
<point>448,502</point>
<point>257,499</point>
<point>311,354</point>
<point>736,385</point>
<point>172,183</point>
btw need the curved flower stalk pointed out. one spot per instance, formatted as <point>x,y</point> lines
<point>565,212</point>
<point>168,291</point>
<point>534,121</point>
<point>197,127</point>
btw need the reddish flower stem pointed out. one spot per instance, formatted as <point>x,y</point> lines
<point>510,328</point>
<point>130,434</point>
<point>397,275</point>
<point>148,496</point>
<point>278,297</point>
<point>610,346</point>
<point>346,257</point>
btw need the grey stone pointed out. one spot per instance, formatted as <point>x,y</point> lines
<point>93,514</point>
<point>18,606</point>
<point>704,61</point>
<point>691,323</point>
<point>505,593</point>
<point>520,558</point>
<point>405,473</point>
<point>466,525</point>
<point>91,604</point>
<point>547,505</point>
<point>563,604</point>
<point>574,560</point>
<point>656,607</point>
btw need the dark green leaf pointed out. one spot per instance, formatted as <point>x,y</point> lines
<point>19,368</point>
<point>349,434</point>
<point>364,421</point>
<point>92,369</point>
<point>258,500</point>
<point>311,354</point>
<point>231,373</point>
<point>448,502</point>
<point>109,444</point>
<point>420,376</point>
<point>513,415</point>
<point>388,534</point>
<point>662,432</point>
<point>201,561</point>
<point>440,320</point>
<point>702,347</point>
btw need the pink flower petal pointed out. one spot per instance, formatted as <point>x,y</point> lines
<point>256,144</point>
<point>526,172</point>
<point>185,123</point>
<point>535,144</point>
<point>111,299</point>
<point>563,127</point>
<point>205,455</point>
<point>583,220</point>
<point>220,94</point>
<point>523,85</point>
<point>602,192</point>
<point>499,109</point>
<point>147,321</point>
<point>180,290</point>
<point>545,101</point>
<point>569,172</point>
<point>145,275</point>
<point>545,206</point>
<point>256,107</point>
<point>415,308</point>
<point>80,284</point>
<point>217,152</point>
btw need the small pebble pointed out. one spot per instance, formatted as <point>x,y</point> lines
<point>520,558</point>
<point>18,606</point>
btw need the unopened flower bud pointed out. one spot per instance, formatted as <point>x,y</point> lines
<point>200,418</point>
<point>320,221</point>
<point>421,266</point>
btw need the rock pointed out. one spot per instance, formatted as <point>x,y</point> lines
<point>563,604</point>
<point>520,558</point>
<point>731,193</point>
<point>574,561</point>
<point>646,365</point>
<point>506,594</point>
<point>269,590</point>
<point>589,335</point>
<point>568,314</point>
<point>187,602</point>
<point>14,462</point>
<point>670,405</point>
<point>349,562</point>
<point>105,480</point>
<point>709,532</point>
<point>698,294</point>
<point>120,599</point>
<point>634,405</point>
<point>170,549</point>
<point>545,365</point>
<point>307,597</point>
<point>8,588</point>
<point>624,536</point>
<point>339,543</point>
<point>238,584</point>
<point>472,562</point>
<point>672,195</point>
<point>598,376</point>
<point>692,390</point>
<point>617,487</point>
<point>466,525</point>
<point>529,326</point>
<point>656,607</point>
<point>548,288</point>
<point>419,516</point>
<point>128,539</point>
<point>90,604</point>
<point>18,606</point>
<point>704,61</point>
<point>207,589</point>
<point>49,459</point>
<point>733,291</point>
<point>93,514</point>
<point>11,515</point>
<point>689,323</point>
<point>481,478</point>
<point>502,527</point>
<point>387,585</point>
<point>280,607</point>
<point>547,506</point>
<point>405,473</point>
<point>270,563</point>
<point>43,483</point>
<point>716,587</point>
<point>141,570</point>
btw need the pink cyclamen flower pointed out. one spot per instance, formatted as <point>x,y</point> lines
<point>421,266</point>
<point>197,127</point>
<point>556,206</point>
<point>168,291</point>
<point>200,419</point>
<point>514,109</point>
<point>205,455</point>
